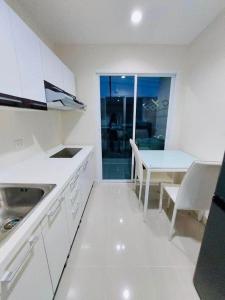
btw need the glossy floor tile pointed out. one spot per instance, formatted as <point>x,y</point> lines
<point>116,255</point>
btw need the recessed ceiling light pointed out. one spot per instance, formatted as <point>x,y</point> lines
<point>126,294</point>
<point>136,17</point>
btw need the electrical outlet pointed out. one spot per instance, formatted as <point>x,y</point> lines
<point>19,143</point>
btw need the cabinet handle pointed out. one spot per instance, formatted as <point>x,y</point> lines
<point>61,200</point>
<point>73,199</point>
<point>73,185</point>
<point>11,275</point>
<point>75,210</point>
<point>85,166</point>
<point>12,100</point>
<point>53,212</point>
<point>77,176</point>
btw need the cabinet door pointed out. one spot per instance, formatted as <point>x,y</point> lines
<point>27,276</point>
<point>84,187</point>
<point>90,171</point>
<point>51,66</point>
<point>29,59</point>
<point>87,181</point>
<point>68,80</point>
<point>9,74</point>
<point>56,239</point>
<point>73,197</point>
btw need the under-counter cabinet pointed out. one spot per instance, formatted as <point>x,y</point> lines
<point>46,250</point>
<point>56,239</point>
<point>73,199</point>
<point>76,194</point>
<point>28,53</point>
<point>27,276</point>
<point>9,75</point>
<point>87,177</point>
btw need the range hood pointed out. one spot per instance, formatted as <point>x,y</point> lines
<point>59,99</point>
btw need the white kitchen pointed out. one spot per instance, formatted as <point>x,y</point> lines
<point>111,150</point>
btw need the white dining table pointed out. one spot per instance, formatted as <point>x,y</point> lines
<point>173,161</point>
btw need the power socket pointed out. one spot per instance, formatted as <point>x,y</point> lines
<point>19,143</point>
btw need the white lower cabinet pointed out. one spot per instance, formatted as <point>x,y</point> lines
<point>27,275</point>
<point>90,172</point>
<point>56,239</point>
<point>87,177</point>
<point>73,195</point>
<point>35,271</point>
<point>77,193</point>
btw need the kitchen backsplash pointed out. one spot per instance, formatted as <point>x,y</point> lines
<point>23,133</point>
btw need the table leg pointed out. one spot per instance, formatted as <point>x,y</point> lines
<point>147,185</point>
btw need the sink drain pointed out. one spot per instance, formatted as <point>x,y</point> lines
<point>10,223</point>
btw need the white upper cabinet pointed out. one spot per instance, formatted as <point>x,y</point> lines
<point>68,80</point>
<point>51,66</point>
<point>25,61</point>
<point>56,72</point>
<point>9,75</point>
<point>29,59</point>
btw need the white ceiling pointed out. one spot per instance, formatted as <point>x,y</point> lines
<point>108,21</point>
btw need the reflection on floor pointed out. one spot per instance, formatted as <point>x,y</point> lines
<point>117,256</point>
<point>116,168</point>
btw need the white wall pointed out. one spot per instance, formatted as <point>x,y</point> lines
<point>203,128</point>
<point>39,131</point>
<point>85,61</point>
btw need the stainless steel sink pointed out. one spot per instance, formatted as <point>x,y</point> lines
<point>16,202</point>
<point>66,153</point>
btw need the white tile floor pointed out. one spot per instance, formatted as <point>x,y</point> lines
<point>117,256</point>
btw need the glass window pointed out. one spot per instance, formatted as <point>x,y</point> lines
<point>151,113</point>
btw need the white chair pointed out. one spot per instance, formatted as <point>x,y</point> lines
<point>195,191</point>
<point>140,174</point>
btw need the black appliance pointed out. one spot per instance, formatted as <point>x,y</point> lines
<point>209,277</point>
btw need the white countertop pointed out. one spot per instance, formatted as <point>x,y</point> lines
<point>38,169</point>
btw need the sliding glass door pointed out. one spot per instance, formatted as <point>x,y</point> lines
<point>117,105</point>
<point>120,95</point>
<point>153,95</point>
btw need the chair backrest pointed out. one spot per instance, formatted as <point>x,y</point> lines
<point>198,186</point>
<point>138,163</point>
